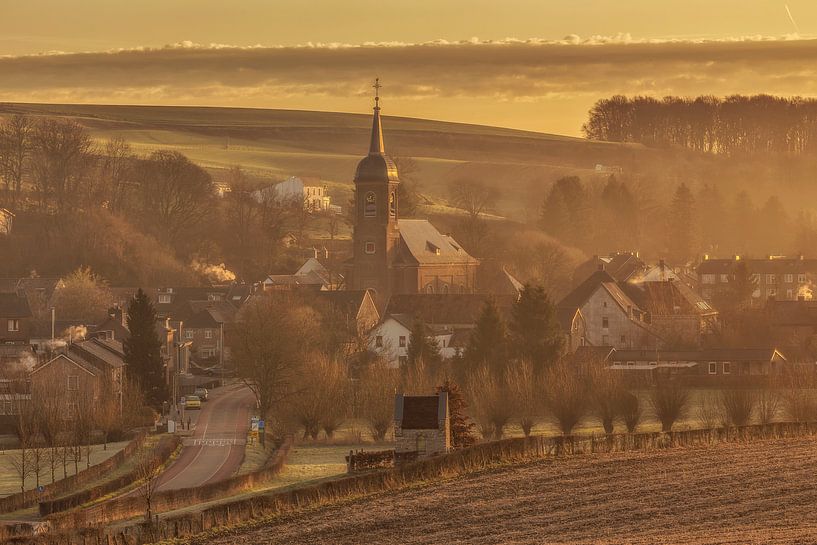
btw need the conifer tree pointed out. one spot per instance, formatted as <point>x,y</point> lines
<point>682,226</point>
<point>534,329</point>
<point>488,343</point>
<point>143,350</point>
<point>462,429</point>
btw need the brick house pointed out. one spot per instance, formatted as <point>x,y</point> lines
<point>15,318</point>
<point>776,277</point>
<point>422,424</point>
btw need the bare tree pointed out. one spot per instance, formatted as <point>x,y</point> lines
<point>709,411</point>
<point>525,393</point>
<point>738,406</point>
<point>322,398</point>
<point>606,391</point>
<point>85,297</point>
<point>115,185</point>
<point>566,395</point>
<point>768,405</point>
<point>476,199</point>
<point>631,411</point>
<point>491,406</point>
<point>377,388</point>
<point>62,155</point>
<point>26,429</point>
<point>47,397</point>
<point>148,467</point>
<point>670,401</point>
<point>15,150</point>
<point>270,348</point>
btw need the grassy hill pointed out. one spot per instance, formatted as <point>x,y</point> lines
<point>275,144</point>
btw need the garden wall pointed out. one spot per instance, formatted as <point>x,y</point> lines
<point>452,464</point>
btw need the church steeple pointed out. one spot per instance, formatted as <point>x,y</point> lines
<point>376,146</point>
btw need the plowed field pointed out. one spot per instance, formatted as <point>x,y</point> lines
<point>763,492</point>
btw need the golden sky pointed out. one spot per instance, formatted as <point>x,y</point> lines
<point>529,64</point>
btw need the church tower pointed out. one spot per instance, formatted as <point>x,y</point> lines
<point>376,232</point>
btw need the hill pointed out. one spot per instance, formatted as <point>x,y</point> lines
<point>275,144</point>
<point>673,496</point>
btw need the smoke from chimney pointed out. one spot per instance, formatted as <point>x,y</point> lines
<point>215,273</point>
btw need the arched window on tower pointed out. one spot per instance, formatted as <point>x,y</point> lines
<point>429,288</point>
<point>370,205</point>
<point>393,204</point>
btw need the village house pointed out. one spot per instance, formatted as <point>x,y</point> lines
<point>422,424</point>
<point>312,275</point>
<point>697,366</point>
<point>776,277</point>
<point>15,318</point>
<point>314,197</point>
<point>574,328</point>
<point>448,319</point>
<point>793,327</point>
<point>611,317</point>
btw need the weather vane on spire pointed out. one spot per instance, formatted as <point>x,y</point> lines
<point>377,87</point>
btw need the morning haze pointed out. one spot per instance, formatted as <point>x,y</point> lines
<point>408,272</point>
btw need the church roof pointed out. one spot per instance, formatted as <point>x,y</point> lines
<point>377,166</point>
<point>427,245</point>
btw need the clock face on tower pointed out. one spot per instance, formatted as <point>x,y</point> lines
<point>370,206</point>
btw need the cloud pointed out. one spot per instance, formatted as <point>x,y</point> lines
<point>511,70</point>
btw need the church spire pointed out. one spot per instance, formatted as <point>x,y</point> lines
<point>376,146</point>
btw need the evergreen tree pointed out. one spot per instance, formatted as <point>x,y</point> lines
<point>462,429</point>
<point>534,329</point>
<point>488,343</point>
<point>682,225</point>
<point>143,350</point>
<point>422,346</point>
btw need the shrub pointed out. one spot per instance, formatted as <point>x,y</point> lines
<point>631,411</point>
<point>524,389</point>
<point>709,411</point>
<point>492,408</point>
<point>605,396</point>
<point>767,405</point>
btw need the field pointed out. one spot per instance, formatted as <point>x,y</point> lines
<point>760,492</point>
<point>274,144</point>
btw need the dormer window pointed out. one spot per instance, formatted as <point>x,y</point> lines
<point>370,205</point>
<point>433,248</point>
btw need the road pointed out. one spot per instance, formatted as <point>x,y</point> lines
<point>215,450</point>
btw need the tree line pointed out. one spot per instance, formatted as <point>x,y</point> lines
<point>734,125</point>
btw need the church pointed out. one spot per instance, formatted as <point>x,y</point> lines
<point>394,256</point>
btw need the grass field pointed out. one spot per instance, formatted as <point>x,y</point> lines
<point>274,144</point>
<point>761,492</point>
<point>10,480</point>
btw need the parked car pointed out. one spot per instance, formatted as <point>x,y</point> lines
<point>202,393</point>
<point>192,402</point>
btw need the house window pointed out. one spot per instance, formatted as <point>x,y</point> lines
<point>801,278</point>
<point>208,333</point>
<point>788,279</point>
<point>725,278</point>
<point>771,292</point>
<point>370,205</point>
<point>403,360</point>
<point>605,340</point>
<point>73,383</point>
<point>164,298</point>
<point>727,367</point>
<point>653,364</point>
<point>14,325</point>
<point>188,334</point>
<point>771,279</point>
<point>630,364</point>
<point>708,278</point>
<point>378,341</point>
<point>605,322</point>
<point>624,339</point>
<point>368,247</point>
<point>402,341</point>
<point>604,304</point>
<point>789,294</point>
<point>713,368</point>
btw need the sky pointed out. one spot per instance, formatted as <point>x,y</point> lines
<point>537,65</point>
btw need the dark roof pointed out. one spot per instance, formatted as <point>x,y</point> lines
<point>668,298</point>
<point>13,305</point>
<point>99,353</point>
<point>221,311</point>
<point>420,412</point>
<point>494,278</point>
<point>424,244</point>
<point>439,308</point>
<point>579,296</point>
<point>346,301</point>
<point>592,354</point>
<point>46,285</point>
<point>621,266</point>
<point>759,266</point>
<point>565,316</point>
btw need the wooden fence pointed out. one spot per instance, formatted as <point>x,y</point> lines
<point>455,463</point>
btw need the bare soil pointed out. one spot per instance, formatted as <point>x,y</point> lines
<point>763,492</point>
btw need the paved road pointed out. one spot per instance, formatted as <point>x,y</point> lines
<point>216,448</point>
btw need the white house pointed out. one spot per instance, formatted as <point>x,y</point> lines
<point>391,339</point>
<point>293,190</point>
